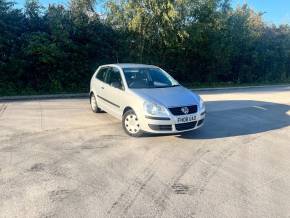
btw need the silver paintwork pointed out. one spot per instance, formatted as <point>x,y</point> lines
<point>115,101</point>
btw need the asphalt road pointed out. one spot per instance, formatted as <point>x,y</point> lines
<point>58,159</point>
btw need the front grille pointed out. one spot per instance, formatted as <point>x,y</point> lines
<point>160,127</point>
<point>200,122</point>
<point>185,126</point>
<point>176,111</point>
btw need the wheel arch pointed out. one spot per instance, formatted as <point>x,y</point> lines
<point>127,109</point>
<point>91,93</point>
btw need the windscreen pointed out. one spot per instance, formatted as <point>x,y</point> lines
<point>146,78</point>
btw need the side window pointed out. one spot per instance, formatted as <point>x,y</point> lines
<point>114,78</point>
<point>101,75</point>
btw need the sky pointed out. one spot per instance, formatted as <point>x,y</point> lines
<point>276,11</point>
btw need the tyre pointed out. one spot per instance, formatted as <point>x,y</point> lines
<point>94,104</point>
<point>131,124</point>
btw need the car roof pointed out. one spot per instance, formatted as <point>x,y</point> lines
<point>131,65</point>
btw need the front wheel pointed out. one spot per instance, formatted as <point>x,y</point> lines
<point>131,124</point>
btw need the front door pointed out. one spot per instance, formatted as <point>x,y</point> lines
<point>114,95</point>
<point>98,86</point>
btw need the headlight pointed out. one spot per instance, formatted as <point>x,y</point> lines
<point>155,109</point>
<point>201,103</point>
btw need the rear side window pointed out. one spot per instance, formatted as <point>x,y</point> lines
<point>101,75</point>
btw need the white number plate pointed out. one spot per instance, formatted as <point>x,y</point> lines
<point>186,119</point>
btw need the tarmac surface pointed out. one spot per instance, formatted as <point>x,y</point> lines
<point>58,159</point>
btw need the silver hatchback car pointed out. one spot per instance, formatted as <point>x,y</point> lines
<point>146,99</point>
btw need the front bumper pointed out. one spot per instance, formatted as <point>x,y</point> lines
<point>171,125</point>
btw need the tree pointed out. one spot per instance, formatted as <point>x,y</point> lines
<point>56,49</point>
<point>84,6</point>
<point>151,23</point>
<point>11,26</point>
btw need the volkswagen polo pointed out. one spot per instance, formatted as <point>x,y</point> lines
<point>146,99</point>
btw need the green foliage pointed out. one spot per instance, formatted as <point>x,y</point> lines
<point>56,49</point>
<point>52,50</point>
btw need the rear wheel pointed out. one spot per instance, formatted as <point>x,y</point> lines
<point>131,124</point>
<point>94,104</point>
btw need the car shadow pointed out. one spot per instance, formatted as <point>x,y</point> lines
<point>237,118</point>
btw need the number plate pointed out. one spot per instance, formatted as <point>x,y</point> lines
<point>186,119</point>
